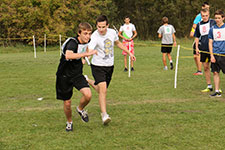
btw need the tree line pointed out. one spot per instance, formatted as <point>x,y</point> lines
<point>25,18</point>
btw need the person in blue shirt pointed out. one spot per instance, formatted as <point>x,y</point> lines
<point>217,50</point>
<point>197,19</point>
<point>202,45</point>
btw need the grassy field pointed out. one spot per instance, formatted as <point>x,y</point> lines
<point>146,111</point>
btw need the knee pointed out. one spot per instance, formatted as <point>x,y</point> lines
<point>67,104</point>
<point>88,96</point>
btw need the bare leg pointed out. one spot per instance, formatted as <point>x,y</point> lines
<point>125,61</point>
<point>85,99</point>
<point>67,110</point>
<point>164,59</point>
<point>197,62</point>
<point>207,72</point>
<point>102,96</point>
<point>91,82</point>
<point>169,56</point>
<point>216,78</point>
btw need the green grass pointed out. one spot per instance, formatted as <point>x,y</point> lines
<point>146,111</point>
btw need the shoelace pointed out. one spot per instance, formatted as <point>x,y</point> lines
<point>69,125</point>
<point>84,113</point>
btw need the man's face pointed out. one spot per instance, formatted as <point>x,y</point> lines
<point>102,27</point>
<point>127,20</point>
<point>84,36</point>
<point>205,16</point>
<point>219,19</point>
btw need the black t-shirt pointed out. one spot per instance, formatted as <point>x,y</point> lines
<point>203,34</point>
<point>70,68</point>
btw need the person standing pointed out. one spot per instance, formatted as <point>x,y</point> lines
<point>167,33</point>
<point>102,64</point>
<point>202,45</point>
<point>217,50</point>
<point>128,32</point>
<point>70,73</point>
<point>197,19</point>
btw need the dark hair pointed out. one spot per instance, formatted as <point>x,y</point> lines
<point>165,20</point>
<point>102,18</point>
<point>84,26</point>
<point>126,17</point>
<point>205,3</point>
<point>219,12</point>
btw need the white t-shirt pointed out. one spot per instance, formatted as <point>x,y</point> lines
<point>104,44</point>
<point>128,29</point>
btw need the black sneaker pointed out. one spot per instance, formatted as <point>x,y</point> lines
<point>84,115</point>
<point>216,94</point>
<point>69,126</point>
<point>132,69</point>
<point>171,66</point>
<point>125,70</point>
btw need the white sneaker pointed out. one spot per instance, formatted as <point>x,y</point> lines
<point>105,119</point>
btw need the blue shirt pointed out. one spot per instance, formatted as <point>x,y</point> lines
<point>198,18</point>
<point>218,44</point>
<point>202,31</point>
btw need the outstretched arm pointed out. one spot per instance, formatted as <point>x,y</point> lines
<point>71,55</point>
<point>122,47</point>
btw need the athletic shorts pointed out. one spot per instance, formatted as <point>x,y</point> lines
<point>219,64</point>
<point>102,74</point>
<point>126,43</point>
<point>64,86</point>
<point>204,57</point>
<point>166,48</point>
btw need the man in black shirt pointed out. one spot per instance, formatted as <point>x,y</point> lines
<point>70,73</point>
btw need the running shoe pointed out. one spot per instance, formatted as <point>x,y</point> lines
<point>125,70</point>
<point>198,73</point>
<point>83,114</point>
<point>69,126</point>
<point>171,66</point>
<point>105,119</point>
<point>207,90</point>
<point>216,94</point>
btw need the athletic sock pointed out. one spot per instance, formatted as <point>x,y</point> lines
<point>217,91</point>
<point>79,109</point>
<point>210,86</point>
<point>171,61</point>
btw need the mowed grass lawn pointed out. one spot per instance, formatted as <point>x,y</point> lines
<point>146,111</point>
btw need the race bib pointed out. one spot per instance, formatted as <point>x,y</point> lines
<point>204,29</point>
<point>168,30</point>
<point>219,34</point>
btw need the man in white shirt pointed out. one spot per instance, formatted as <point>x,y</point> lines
<point>128,33</point>
<point>102,64</point>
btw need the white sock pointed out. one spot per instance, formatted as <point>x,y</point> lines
<point>217,91</point>
<point>69,122</point>
<point>209,85</point>
<point>79,109</point>
<point>171,61</point>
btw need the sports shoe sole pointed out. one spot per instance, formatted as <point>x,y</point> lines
<point>106,121</point>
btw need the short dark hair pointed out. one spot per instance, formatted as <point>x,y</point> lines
<point>165,20</point>
<point>219,12</point>
<point>205,3</point>
<point>84,26</point>
<point>102,18</point>
<point>126,17</point>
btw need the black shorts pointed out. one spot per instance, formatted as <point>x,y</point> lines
<point>64,86</point>
<point>204,57</point>
<point>219,64</point>
<point>166,48</point>
<point>102,74</point>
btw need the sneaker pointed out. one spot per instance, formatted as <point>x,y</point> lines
<point>132,69</point>
<point>105,119</point>
<point>69,126</point>
<point>165,68</point>
<point>171,66</point>
<point>125,70</point>
<point>198,73</point>
<point>83,114</point>
<point>220,90</point>
<point>216,94</point>
<point>207,90</point>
